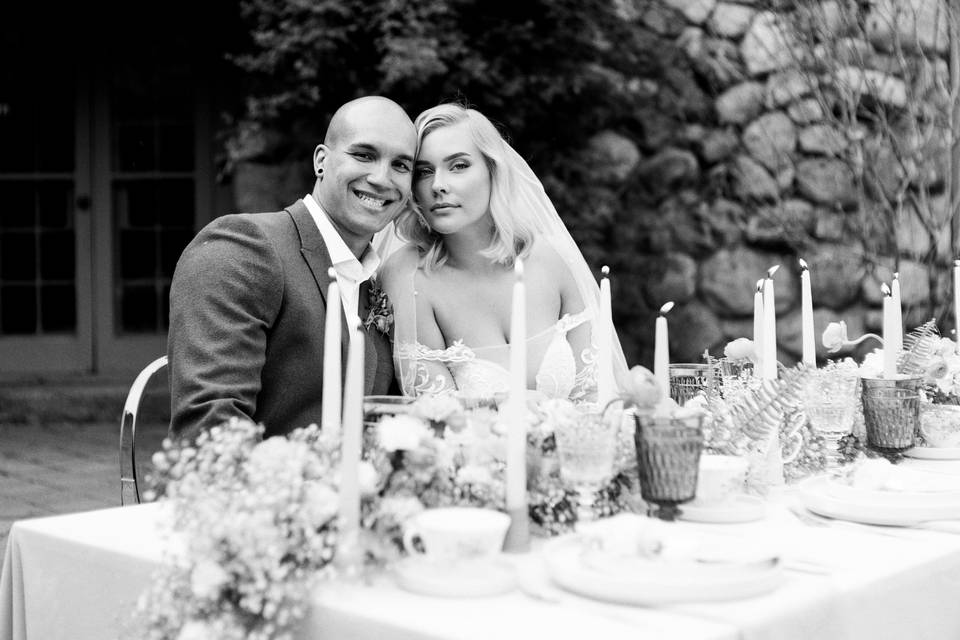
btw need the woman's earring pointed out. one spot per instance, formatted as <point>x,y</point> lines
<point>319,172</point>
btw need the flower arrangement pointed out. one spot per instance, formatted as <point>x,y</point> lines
<point>440,453</point>
<point>253,523</point>
<point>256,525</point>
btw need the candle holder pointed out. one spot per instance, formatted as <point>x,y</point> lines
<point>668,455</point>
<point>891,414</point>
<point>687,379</point>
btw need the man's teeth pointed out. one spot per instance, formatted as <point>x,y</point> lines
<point>376,203</point>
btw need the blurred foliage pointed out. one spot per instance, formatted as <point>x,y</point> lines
<point>550,73</point>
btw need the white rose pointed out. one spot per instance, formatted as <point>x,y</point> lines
<point>368,478</point>
<point>834,336</point>
<point>740,349</point>
<point>872,364</point>
<point>207,578</point>
<point>401,433</point>
<point>475,474</point>
<point>320,503</point>
<point>196,630</point>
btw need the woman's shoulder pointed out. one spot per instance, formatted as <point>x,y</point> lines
<point>401,263</point>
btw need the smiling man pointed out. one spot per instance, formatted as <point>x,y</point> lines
<point>248,297</point>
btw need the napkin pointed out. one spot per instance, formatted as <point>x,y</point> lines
<point>879,474</point>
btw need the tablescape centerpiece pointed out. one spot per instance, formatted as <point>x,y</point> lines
<point>761,419</point>
<point>252,526</point>
<point>921,400</point>
<point>255,524</point>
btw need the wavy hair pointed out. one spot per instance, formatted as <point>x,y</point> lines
<point>513,231</point>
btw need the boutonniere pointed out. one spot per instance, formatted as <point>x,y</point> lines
<point>381,311</point>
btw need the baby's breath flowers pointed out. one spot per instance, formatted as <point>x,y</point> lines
<point>256,523</point>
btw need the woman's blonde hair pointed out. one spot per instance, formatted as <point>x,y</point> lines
<point>513,231</point>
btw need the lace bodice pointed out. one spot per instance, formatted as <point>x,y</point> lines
<point>477,373</point>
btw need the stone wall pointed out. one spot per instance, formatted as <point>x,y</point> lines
<point>767,177</point>
<point>736,167</point>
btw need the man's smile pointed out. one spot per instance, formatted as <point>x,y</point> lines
<point>371,201</point>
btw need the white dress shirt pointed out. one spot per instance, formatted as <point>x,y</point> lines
<point>350,271</point>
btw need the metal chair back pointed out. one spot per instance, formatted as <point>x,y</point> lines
<point>129,484</point>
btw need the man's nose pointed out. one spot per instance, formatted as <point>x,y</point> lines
<point>380,174</point>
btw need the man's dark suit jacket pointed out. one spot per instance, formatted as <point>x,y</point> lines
<point>247,307</point>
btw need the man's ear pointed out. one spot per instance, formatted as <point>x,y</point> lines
<point>319,155</point>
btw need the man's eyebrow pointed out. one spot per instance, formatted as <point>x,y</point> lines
<point>366,146</point>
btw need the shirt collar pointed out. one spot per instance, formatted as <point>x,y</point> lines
<point>340,255</point>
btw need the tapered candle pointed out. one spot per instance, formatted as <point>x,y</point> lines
<point>769,327</point>
<point>889,319</point>
<point>806,316</point>
<point>516,409</point>
<point>661,352</point>
<point>332,390</point>
<point>896,338</point>
<point>956,302</point>
<point>518,535</point>
<point>352,435</point>
<point>758,329</point>
<point>605,342</point>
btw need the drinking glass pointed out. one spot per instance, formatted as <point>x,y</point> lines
<point>830,401</point>
<point>891,414</point>
<point>668,454</point>
<point>586,448</point>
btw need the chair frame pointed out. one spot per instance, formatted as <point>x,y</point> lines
<point>129,486</point>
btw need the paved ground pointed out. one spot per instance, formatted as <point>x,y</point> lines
<point>54,468</point>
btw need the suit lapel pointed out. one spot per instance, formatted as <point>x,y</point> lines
<point>315,253</point>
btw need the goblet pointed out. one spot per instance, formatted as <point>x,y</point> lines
<point>586,448</point>
<point>830,401</point>
<point>668,454</point>
<point>891,414</point>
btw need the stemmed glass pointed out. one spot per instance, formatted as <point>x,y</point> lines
<point>668,455</point>
<point>830,401</point>
<point>586,448</point>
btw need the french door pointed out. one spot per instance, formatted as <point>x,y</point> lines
<point>105,175</point>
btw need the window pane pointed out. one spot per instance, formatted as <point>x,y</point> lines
<point>57,258</point>
<point>175,148</point>
<point>175,203</point>
<point>135,148</point>
<point>172,244</point>
<point>18,256</point>
<point>58,308</point>
<point>138,311</point>
<point>18,309</point>
<point>17,205</point>
<point>55,204</point>
<point>138,255</point>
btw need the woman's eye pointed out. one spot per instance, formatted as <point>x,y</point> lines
<point>422,172</point>
<point>402,166</point>
<point>460,166</point>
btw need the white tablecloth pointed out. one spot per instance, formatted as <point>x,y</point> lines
<point>78,576</point>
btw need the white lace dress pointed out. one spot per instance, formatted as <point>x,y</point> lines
<point>477,373</point>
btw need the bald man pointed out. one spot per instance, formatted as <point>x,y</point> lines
<point>248,297</point>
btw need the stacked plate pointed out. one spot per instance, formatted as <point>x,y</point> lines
<point>637,562</point>
<point>939,499</point>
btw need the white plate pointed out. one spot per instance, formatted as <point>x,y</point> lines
<point>468,579</point>
<point>934,453</point>
<point>739,508</point>
<point>832,498</point>
<point>640,581</point>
